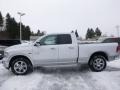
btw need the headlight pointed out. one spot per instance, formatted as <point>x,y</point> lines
<point>6,54</point>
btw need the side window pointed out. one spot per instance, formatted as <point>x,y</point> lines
<point>64,39</point>
<point>49,40</point>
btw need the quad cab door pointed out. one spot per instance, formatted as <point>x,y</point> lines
<point>47,51</point>
<point>68,50</point>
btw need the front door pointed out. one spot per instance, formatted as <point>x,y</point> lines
<point>47,52</point>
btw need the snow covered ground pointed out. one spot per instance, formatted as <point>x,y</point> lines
<point>71,78</point>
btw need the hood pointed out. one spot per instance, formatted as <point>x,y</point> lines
<point>23,45</point>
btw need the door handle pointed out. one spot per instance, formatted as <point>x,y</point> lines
<point>52,48</point>
<point>71,47</point>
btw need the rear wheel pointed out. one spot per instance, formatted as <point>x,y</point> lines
<point>21,66</point>
<point>97,63</point>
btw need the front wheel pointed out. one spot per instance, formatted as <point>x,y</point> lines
<point>21,66</point>
<point>97,63</point>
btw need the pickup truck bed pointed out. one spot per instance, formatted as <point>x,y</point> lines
<point>93,48</point>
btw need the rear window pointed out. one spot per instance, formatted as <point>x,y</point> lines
<point>64,39</point>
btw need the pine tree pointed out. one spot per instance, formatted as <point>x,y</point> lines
<point>38,33</point>
<point>8,17</point>
<point>32,33</point>
<point>24,32</point>
<point>42,33</point>
<point>12,27</point>
<point>98,32</point>
<point>90,34</point>
<point>1,20</point>
<point>28,32</point>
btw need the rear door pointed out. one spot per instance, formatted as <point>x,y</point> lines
<point>68,51</point>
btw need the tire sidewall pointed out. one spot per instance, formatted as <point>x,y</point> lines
<point>93,59</point>
<point>24,60</point>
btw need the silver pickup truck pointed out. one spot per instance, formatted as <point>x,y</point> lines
<point>58,49</point>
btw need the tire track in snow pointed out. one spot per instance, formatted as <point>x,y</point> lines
<point>92,83</point>
<point>87,76</point>
<point>55,82</point>
<point>62,79</point>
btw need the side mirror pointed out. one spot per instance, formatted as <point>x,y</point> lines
<point>37,44</point>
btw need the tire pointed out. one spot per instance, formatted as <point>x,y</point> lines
<point>21,66</point>
<point>97,63</point>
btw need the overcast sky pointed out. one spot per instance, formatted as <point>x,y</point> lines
<point>66,15</point>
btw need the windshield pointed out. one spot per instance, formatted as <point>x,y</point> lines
<point>39,39</point>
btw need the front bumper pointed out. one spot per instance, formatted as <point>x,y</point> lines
<point>5,63</point>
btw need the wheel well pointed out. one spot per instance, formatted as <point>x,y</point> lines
<point>99,53</point>
<point>13,58</point>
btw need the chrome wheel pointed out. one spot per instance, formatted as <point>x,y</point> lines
<point>98,63</point>
<point>20,67</point>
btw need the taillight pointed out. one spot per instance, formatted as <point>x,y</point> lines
<point>118,49</point>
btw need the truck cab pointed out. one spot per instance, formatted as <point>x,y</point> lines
<point>56,48</point>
